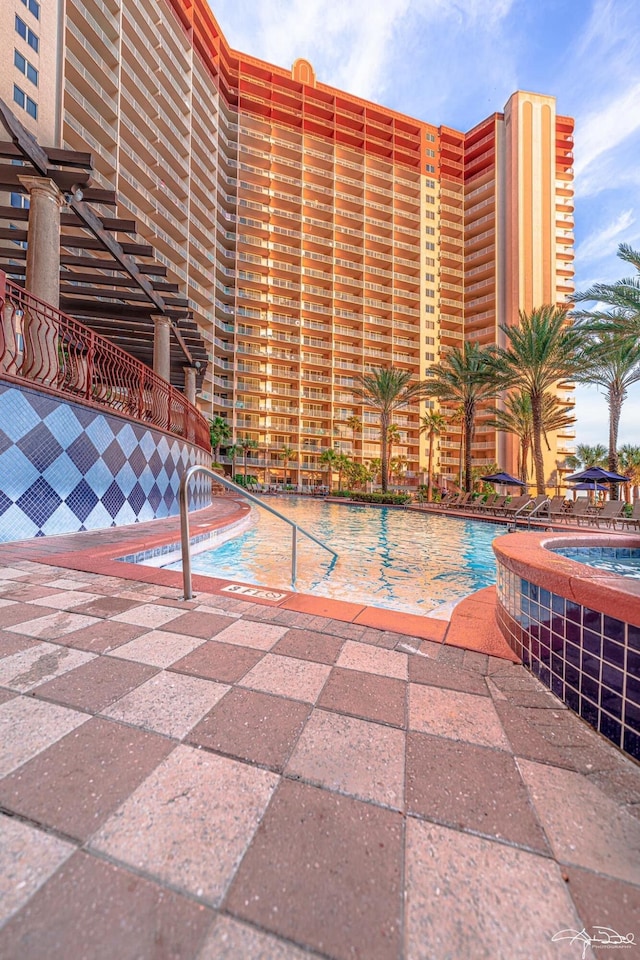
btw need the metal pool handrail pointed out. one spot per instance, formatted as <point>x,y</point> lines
<point>236,488</point>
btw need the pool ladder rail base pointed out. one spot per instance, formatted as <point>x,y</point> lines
<point>185,540</point>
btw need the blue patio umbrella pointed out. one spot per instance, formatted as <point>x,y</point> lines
<point>505,478</point>
<point>596,475</point>
<point>588,486</point>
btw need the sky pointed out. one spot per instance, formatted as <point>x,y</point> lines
<point>457,61</point>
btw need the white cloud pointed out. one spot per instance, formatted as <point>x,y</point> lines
<point>600,244</point>
<point>357,45</point>
<point>600,133</point>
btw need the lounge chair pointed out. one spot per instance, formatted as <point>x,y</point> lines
<point>578,511</point>
<point>463,503</point>
<point>510,509</point>
<point>450,500</point>
<point>556,508</point>
<point>480,505</point>
<point>608,513</point>
<point>634,519</point>
<point>497,505</point>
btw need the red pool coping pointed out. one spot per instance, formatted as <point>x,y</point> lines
<point>530,556</point>
<point>473,625</point>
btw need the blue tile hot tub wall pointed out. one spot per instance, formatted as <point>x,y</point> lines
<point>589,660</point>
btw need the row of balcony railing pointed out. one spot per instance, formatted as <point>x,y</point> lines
<point>45,349</point>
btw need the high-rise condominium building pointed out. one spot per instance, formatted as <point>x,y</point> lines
<point>316,235</point>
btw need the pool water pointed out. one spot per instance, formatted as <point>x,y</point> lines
<point>622,560</point>
<point>398,559</point>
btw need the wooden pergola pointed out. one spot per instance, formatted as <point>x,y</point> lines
<point>112,285</point>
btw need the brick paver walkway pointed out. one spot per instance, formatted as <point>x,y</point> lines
<point>217,779</point>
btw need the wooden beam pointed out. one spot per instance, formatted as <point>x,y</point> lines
<point>65,180</point>
<point>28,145</point>
<point>97,195</point>
<point>91,243</point>
<point>95,263</point>
<point>103,280</point>
<point>94,224</point>
<point>114,224</point>
<point>62,158</point>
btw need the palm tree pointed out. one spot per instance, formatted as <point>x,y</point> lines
<point>233,451</point>
<point>398,465</point>
<point>629,460</point>
<point>393,436</point>
<point>329,457</point>
<point>286,455</point>
<point>245,445</point>
<point>516,418</point>
<point>540,352</point>
<point>587,456</point>
<point>375,467</point>
<point>355,424</point>
<point>457,417</point>
<point>621,301</point>
<point>613,363</point>
<point>466,377</point>
<point>432,424</point>
<point>341,464</point>
<point>219,431</point>
<point>387,389</point>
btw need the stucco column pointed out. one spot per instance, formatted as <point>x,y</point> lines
<point>162,346</point>
<point>190,384</point>
<point>43,249</point>
<point>41,361</point>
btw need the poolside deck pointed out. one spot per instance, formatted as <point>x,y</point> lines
<point>259,779</point>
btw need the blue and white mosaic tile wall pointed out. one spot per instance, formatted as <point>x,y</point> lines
<point>65,467</point>
<point>589,660</point>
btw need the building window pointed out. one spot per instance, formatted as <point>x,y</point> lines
<point>20,97</point>
<point>430,278</point>
<point>430,215</point>
<point>23,31</point>
<point>429,198</point>
<point>429,293</point>
<point>431,231</point>
<point>429,245</point>
<point>431,153</point>
<point>20,201</point>
<point>430,325</point>
<point>430,341</point>
<point>430,168</point>
<point>430,309</point>
<point>429,356</point>
<point>33,7</point>
<point>430,136</point>
<point>430,184</point>
<point>429,262</point>
<point>25,67</point>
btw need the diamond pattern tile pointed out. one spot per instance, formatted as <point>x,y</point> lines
<point>67,468</point>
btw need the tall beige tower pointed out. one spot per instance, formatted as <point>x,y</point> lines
<point>518,239</point>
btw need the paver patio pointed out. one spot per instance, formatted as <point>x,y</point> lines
<point>221,780</point>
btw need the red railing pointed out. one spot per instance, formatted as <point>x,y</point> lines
<point>40,346</point>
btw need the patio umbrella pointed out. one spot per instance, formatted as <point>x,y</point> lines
<point>588,486</point>
<point>505,478</point>
<point>595,475</point>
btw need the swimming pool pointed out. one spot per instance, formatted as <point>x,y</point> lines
<point>398,559</point>
<point>622,560</point>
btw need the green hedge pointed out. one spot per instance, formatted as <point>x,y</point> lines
<point>392,498</point>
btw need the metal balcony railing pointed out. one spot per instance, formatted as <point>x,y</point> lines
<point>44,348</point>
